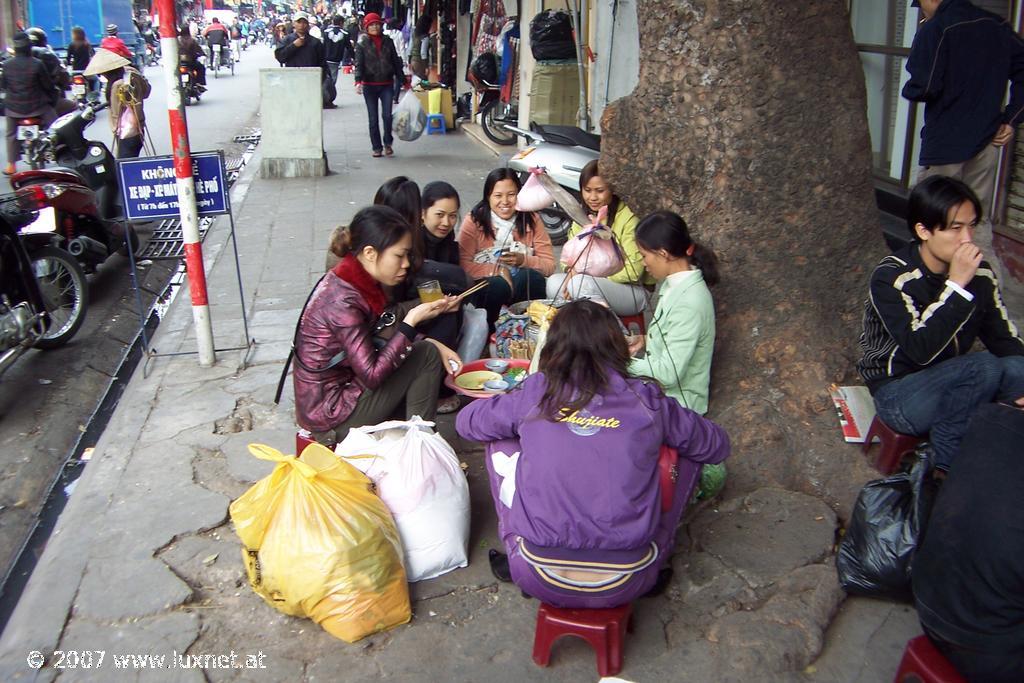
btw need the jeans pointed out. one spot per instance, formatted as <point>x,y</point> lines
<point>527,284</point>
<point>330,82</point>
<point>940,400</point>
<point>379,98</point>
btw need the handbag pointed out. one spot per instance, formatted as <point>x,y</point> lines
<point>128,123</point>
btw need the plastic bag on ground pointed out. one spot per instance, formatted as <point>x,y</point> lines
<point>419,478</point>
<point>318,543</point>
<point>409,120</point>
<point>473,336</point>
<point>534,196</point>
<point>885,527</point>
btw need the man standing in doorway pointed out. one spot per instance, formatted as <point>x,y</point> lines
<point>959,65</point>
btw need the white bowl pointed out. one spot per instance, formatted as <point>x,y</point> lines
<point>496,365</point>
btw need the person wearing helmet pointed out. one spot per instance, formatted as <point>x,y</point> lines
<point>30,93</point>
<point>61,80</point>
<point>126,90</point>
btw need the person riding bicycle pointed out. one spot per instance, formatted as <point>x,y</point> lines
<point>217,34</point>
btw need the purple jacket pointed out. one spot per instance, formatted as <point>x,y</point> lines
<point>590,480</point>
<point>338,318</point>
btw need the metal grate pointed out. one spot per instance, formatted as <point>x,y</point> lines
<point>167,242</point>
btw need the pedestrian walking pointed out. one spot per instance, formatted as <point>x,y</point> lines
<point>126,90</point>
<point>335,45</point>
<point>959,65</point>
<point>29,93</point>
<point>379,77</point>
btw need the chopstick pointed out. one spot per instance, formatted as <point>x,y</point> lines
<point>475,288</point>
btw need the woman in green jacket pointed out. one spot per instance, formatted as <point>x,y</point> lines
<point>624,291</point>
<point>681,336</point>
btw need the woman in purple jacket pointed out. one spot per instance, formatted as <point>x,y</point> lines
<point>573,463</point>
<point>346,373</point>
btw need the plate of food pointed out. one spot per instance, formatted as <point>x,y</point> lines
<point>470,382</point>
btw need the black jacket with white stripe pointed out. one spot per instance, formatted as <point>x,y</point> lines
<point>914,319</point>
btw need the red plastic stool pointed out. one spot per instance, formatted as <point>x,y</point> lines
<point>604,629</point>
<point>923,662</point>
<point>303,439</point>
<point>893,445</point>
<point>637,319</point>
<point>346,69</point>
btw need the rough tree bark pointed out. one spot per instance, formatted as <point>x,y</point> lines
<point>749,120</point>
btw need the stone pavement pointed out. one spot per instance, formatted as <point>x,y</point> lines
<point>144,560</point>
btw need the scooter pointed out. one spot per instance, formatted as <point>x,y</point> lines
<point>82,190</point>
<point>32,148</point>
<point>43,291</point>
<point>562,151</point>
<point>187,81</point>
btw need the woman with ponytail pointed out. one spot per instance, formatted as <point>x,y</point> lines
<point>681,336</point>
<point>348,371</point>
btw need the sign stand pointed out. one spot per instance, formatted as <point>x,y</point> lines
<point>139,180</point>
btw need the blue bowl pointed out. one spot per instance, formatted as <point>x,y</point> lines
<point>496,365</point>
<point>496,385</point>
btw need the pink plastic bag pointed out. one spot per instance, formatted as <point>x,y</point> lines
<point>593,251</point>
<point>534,196</point>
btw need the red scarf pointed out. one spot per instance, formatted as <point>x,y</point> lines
<point>378,40</point>
<point>351,271</point>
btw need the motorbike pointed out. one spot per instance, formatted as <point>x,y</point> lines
<point>43,291</point>
<point>562,151</point>
<point>497,113</point>
<point>187,81</point>
<point>82,190</point>
<point>32,148</point>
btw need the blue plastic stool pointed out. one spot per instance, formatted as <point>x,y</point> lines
<point>435,124</point>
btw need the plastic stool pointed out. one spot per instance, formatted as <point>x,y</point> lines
<point>436,125</point>
<point>604,629</point>
<point>893,445</point>
<point>923,662</point>
<point>637,320</point>
<point>303,439</point>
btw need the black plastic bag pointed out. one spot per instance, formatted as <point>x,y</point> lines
<point>485,68</point>
<point>885,529</point>
<point>551,36</point>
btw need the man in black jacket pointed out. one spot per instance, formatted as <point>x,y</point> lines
<point>959,65</point>
<point>926,305</point>
<point>335,45</point>
<point>30,93</point>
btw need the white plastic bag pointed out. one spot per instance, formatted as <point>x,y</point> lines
<point>474,333</point>
<point>418,477</point>
<point>408,119</point>
<point>533,196</point>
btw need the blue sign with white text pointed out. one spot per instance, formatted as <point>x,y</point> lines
<point>150,190</point>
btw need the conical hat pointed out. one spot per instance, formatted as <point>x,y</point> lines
<point>103,61</point>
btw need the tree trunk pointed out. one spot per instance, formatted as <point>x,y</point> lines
<point>749,120</point>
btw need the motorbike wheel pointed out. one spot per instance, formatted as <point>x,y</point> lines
<point>494,114</point>
<point>65,294</point>
<point>556,223</point>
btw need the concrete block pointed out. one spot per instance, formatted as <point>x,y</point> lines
<point>291,116</point>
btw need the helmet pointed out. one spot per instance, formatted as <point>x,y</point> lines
<point>111,29</point>
<point>37,36</point>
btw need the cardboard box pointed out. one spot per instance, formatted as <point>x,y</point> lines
<point>555,94</point>
<point>446,105</point>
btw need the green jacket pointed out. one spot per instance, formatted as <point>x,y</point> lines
<point>624,229</point>
<point>680,340</point>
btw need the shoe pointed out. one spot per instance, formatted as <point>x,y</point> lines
<point>377,154</point>
<point>499,565</point>
<point>448,405</point>
<point>388,151</point>
<point>201,88</point>
<point>9,169</point>
<point>330,105</point>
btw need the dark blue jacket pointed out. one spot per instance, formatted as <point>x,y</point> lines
<point>959,65</point>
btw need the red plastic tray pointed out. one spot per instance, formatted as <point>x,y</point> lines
<point>477,365</point>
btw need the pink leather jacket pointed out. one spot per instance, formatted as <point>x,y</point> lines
<point>338,318</point>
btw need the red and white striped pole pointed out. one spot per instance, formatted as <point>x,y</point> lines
<point>186,184</point>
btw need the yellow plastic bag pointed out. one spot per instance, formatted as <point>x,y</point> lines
<point>318,543</point>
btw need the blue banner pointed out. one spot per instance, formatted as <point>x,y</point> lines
<point>149,188</point>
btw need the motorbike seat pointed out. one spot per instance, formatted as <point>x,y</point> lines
<point>569,135</point>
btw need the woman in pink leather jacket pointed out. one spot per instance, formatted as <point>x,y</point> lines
<point>346,374</point>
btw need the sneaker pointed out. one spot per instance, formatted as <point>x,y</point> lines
<point>499,565</point>
<point>388,151</point>
<point>330,105</point>
<point>9,169</point>
<point>448,405</point>
<point>377,154</point>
